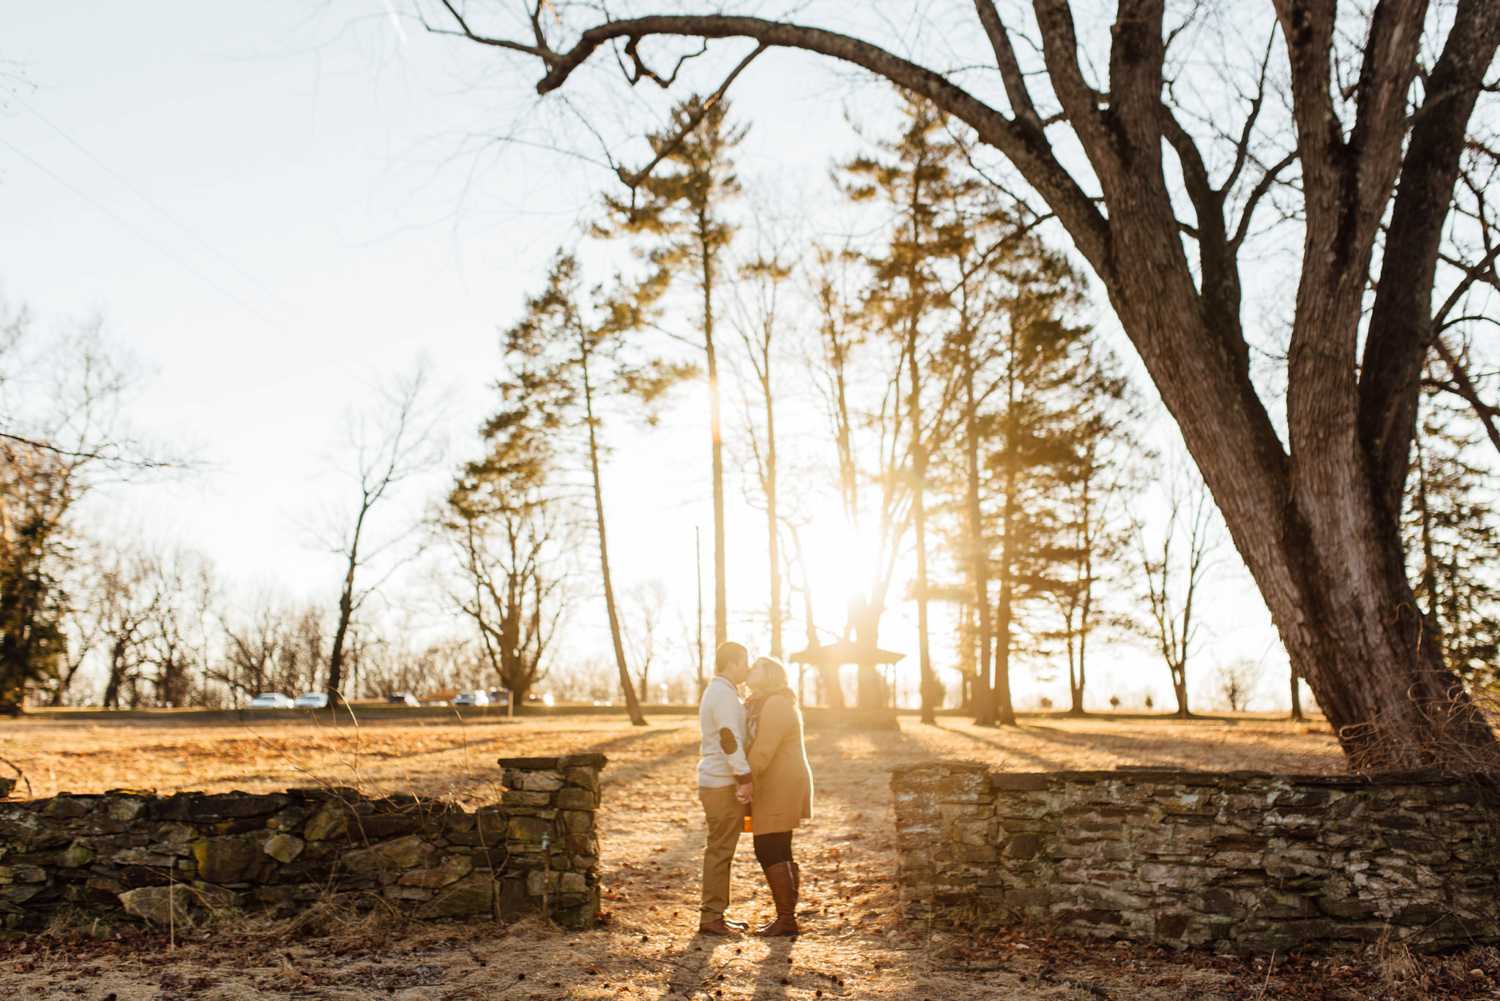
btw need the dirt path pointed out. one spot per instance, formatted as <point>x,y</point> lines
<point>856,944</point>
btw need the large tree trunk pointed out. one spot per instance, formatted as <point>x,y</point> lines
<point>1004,712</point>
<point>1179,688</point>
<point>1004,709</point>
<point>773,526</point>
<point>1310,526</point>
<point>341,630</point>
<point>1313,535</point>
<point>979,557</point>
<point>1078,676</point>
<point>919,517</point>
<point>716,437</point>
<point>1075,679</point>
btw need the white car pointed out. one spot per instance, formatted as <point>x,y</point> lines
<point>272,700</point>
<point>312,700</point>
<point>474,698</point>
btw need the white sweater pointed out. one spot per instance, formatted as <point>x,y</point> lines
<point>722,754</point>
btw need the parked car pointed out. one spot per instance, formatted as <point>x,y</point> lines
<point>474,698</point>
<point>312,700</point>
<point>402,699</point>
<point>499,697</point>
<point>272,700</point>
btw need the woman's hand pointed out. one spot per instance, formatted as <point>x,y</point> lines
<point>744,792</point>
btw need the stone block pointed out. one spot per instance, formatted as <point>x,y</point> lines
<point>380,826</point>
<point>10,874</point>
<point>584,778</point>
<point>330,821</point>
<point>450,870</point>
<point>538,781</point>
<point>143,856</point>
<point>283,847</point>
<point>76,856</point>
<point>575,799</point>
<point>69,807</point>
<point>124,808</point>
<point>519,797</point>
<point>527,829</point>
<point>163,905</point>
<point>539,882</point>
<point>389,858</point>
<point>233,806</point>
<point>230,859</point>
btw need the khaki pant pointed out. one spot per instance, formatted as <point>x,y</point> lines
<point>726,819</point>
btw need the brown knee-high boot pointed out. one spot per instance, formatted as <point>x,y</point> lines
<point>782,878</point>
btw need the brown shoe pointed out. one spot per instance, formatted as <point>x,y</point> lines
<point>782,878</point>
<point>718,926</point>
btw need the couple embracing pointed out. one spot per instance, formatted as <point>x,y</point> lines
<point>752,766</point>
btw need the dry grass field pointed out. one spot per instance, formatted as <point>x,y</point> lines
<point>855,944</point>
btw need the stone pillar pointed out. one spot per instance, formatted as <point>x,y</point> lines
<point>944,814</point>
<point>551,844</point>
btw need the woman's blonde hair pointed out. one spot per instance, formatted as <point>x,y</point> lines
<point>777,672</point>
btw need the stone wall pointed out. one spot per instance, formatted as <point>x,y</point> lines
<point>197,854</point>
<point>1241,861</point>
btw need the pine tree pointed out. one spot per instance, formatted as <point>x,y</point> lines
<point>1098,475</point>
<point>912,179</point>
<point>1453,540</point>
<point>678,211</point>
<point>1036,366</point>
<point>567,358</point>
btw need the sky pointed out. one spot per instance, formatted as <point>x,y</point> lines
<point>275,213</point>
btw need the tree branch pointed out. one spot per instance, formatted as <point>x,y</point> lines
<point>1022,146</point>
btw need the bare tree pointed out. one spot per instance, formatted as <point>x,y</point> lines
<point>1174,569</point>
<point>176,644</point>
<point>397,440</point>
<point>128,601</point>
<point>1237,683</point>
<point>566,357</point>
<point>869,443</point>
<point>1378,94</point>
<point>648,603</point>
<point>760,314</point>
<point>63,434</point>
<point>512,590</point>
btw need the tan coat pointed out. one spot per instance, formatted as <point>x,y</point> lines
<point>783,796</point>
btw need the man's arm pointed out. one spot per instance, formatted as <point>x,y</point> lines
<point>731,729</point>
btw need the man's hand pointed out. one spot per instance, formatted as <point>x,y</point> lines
<point>743,792</point>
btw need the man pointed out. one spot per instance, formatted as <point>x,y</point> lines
<point>723,782</point>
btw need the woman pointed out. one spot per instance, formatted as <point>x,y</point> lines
<point>783,789</point>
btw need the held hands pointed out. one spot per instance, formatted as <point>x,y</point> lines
<point>743,792</point>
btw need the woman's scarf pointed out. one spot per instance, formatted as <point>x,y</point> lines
<point>756,704</point>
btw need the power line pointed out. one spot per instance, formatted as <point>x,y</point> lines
<point>142,236</point>
<point>148,201</point>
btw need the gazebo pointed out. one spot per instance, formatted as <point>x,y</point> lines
<point>842,652</point>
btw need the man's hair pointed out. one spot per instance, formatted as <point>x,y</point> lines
<point>728,653</point>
